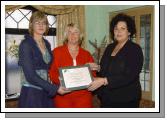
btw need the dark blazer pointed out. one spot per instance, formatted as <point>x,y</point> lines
<point>30,59</point>
<point>122,72</point>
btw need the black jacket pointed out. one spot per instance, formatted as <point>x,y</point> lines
<point>122,72</point>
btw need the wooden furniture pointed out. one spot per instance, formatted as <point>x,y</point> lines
<point>147,104</point>
<point>11,103</point>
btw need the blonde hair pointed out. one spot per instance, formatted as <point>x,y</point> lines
<point>72,25</point>
<point>35,17</point>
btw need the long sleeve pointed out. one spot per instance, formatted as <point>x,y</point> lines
<point>104,61</point>
<point>26,61</point>
<point>91,60</point>
<point>53,71</point>
<point>133,66</point>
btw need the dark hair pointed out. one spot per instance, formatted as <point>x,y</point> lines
<point>125,18</point>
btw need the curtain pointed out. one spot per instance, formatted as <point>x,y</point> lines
<point>56,9</point>
<point>50,9</point>
<point>65,14</point>
<point>9,8</point>
<point>77,17</point>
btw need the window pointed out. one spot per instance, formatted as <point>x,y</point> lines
<point>143,17</point>
<point>16,26</point>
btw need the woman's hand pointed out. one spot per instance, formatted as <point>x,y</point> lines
<point>98,82</point>
<point>63,90</point>
<point>94,66</point>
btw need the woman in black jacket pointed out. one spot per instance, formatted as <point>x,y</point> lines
<point>118,82</point>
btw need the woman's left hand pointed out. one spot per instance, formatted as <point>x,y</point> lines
<point>98,82</point>
<point>94,66</point>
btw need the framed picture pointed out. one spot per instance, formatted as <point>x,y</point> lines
<point>75,77</point>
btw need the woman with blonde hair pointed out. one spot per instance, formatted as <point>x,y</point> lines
<point>34,58</point>
<point>71,54</point>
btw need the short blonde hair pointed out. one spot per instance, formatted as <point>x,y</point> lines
<point>72,25</point>
<point>35,17</point>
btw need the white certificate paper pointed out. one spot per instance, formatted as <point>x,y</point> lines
<point>75,78</point>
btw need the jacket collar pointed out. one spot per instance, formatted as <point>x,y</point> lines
<point>32,41</point>
<point>123,49</point>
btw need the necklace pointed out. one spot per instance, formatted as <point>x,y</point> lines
<point>73,49</point>
<point>73,52</point>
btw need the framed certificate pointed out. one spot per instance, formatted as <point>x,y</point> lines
<point>75,77</point>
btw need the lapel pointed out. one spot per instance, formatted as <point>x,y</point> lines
<point>123,50</point>
<point>37,53</point>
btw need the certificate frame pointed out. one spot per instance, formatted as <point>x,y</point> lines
<point>64,79</point>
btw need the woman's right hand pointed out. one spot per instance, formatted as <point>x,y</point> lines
<point>63,90</point>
